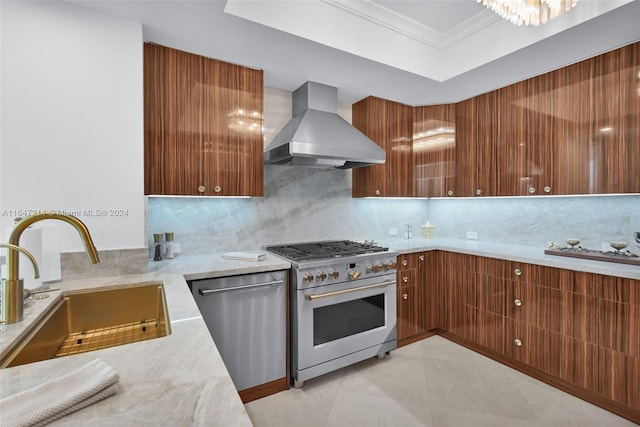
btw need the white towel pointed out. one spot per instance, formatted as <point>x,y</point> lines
<point>245,256</point>
<point>61,396</point>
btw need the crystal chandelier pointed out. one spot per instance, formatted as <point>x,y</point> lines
<point>529,12</point>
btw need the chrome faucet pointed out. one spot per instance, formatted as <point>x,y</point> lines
<point>13,286</point>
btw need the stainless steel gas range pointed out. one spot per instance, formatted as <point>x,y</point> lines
<point>343,304</point>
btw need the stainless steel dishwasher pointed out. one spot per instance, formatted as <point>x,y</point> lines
<point>246,316</point>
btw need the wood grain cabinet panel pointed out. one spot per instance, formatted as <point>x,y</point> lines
<point>459,281</point>
<point>619,328</point>
<point>580,331</point>
<point>476,156</point>
<point>466,148</point>
<point>418,295</point>
<point>620,316</point>
<point>369,116</point>
<point>629,147</point>
<point>389,124</point>
<point>620,378</point>
<point>434,150</point>
<point>408,312</point>
<point>203,125</point>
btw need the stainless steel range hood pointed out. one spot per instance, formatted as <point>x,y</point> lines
<point>316,136</point>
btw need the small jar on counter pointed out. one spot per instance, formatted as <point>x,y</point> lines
<point>169,252</point>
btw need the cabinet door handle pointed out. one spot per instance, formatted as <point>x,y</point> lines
<point>377,192</point>
<point>217,189</point>
<point>547,189</point>
<point>450,193</point>
<point>201,189</point>
<point>532,190</point>
<point>517,342</point>
<point>517,272</point>
<point>404,263</point>
<point>421,257</point>
<point>405,279</point>
<point>478,192</point>
<point>517,303</point>
<point>405,296</point>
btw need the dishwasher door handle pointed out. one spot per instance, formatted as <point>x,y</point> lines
<point>234,288</point>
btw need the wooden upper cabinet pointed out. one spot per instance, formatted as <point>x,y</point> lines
<point>595,131</point>
<point>629,142</point>
<point>466,126</point>
<point>203,125</point>
<point>575,130</point>
<point>522,140</point>
<point>389,124</point>
<point>434,150</point>
<point>476,155</point>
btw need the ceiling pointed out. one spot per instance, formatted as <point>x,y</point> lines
<point>417,52</point>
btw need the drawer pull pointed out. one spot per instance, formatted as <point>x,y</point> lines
<point>517,342</point>
<point>450,193</point>
<point>377,192</point>
<point>547,189</point>
<point>201,189</point>
<point>517,272</point>
<point>518,303</point>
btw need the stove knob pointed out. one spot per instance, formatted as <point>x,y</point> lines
<point>308,277</point>
<point>390,265</point>
<point>334,274</point>
<point>371,268</point>
<point>354,274</point>
<point>321,276</point>
<point>379,266</point>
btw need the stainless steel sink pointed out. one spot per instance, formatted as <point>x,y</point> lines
<point>92,320</point>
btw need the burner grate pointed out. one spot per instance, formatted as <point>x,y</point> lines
<point>325,250</point>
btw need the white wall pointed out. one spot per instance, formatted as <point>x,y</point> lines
<point>72,120</point>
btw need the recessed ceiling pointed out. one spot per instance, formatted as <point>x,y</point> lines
<point>415,52</point>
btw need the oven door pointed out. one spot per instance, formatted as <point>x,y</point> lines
<point>337,320</point>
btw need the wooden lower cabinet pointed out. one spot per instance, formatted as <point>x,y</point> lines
<point>577,331</point>
<point>417,296</point>
<point>620,378</point>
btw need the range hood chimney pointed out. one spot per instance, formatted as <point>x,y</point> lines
<point>316,136</point>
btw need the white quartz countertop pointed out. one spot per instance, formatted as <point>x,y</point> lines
<point>180,379</point>
<point>510,252</point>
<point>177,380</point>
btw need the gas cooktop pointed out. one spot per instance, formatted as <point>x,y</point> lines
<point>324,250</point>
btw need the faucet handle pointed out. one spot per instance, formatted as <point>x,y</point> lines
<point>36,271</point>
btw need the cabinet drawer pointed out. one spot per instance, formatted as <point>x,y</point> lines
<point>407,261</point>
<point>407,277</point>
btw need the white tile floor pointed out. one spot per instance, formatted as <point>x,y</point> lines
<point>433,382</point>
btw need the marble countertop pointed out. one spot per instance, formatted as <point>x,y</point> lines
<point>510,252</point>
<point>176,380</point>
<point>181,379</point>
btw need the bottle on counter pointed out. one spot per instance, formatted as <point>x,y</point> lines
<point>169,253</point>
<point>157,247</point>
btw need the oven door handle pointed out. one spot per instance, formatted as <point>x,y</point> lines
<point>234,288</point>
<point>311,297</point>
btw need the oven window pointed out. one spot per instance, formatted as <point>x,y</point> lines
<point>341,320</point>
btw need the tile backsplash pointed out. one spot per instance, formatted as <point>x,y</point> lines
<point>537,220</point>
